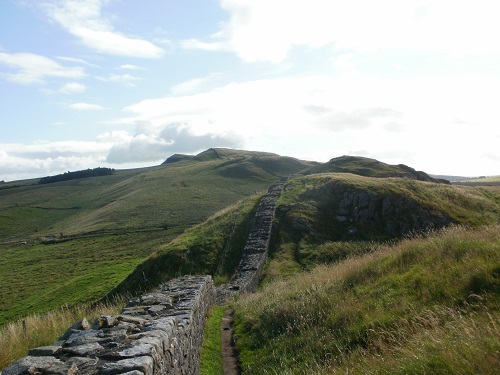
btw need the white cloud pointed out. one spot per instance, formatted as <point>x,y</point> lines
<point>264,30</point>
<point>125,79</point>
<point>171,138</point>
<point>192,85</point>
<point>73,88</point>
<point>77,60</point>
<point>87,107</point>
<point>32,68</point>
<point>84,20</point>
<point>20,161</point>
<point>129,67</point>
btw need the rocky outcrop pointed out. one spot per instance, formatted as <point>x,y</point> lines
<point>158,333</point>
<point>399,215</point>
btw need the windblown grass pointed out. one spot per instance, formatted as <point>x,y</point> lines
<point>19,336</point>
<point>399,309</point>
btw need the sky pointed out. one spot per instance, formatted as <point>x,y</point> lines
<point>126,83</point>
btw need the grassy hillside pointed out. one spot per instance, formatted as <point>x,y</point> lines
<point>83,237</point>
<point>344,292</point>
<point>425,305</point>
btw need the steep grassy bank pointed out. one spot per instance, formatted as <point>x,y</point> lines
<point>425,305</point>
<point>213,247</point>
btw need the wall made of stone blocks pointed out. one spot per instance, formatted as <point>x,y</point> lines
<point>158,333</point>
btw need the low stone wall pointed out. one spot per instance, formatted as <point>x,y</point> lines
<point>256,249</point>
<point>158,333</point>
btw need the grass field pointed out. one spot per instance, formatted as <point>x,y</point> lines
<point>424,305</point>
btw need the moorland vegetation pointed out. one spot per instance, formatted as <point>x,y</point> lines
<point>373,268</point>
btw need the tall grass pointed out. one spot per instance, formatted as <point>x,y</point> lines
<point>19,336</point>
<point>425,305</point>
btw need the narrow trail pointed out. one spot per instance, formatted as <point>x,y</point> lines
<point>230,359</point>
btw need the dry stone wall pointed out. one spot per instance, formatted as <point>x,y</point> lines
<point>158,333</point>
<point>256,249</point>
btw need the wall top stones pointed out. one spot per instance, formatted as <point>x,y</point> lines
<point>158,333</point>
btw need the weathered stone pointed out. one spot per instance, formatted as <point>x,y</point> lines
<point>37,365</point>
<point>45,350</point>
<point>84,350</point>
<point>107,321</point>
<point>131,319</point>
<point>143,364</point>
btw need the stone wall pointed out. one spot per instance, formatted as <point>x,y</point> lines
<point>256,249</point>
<point>158,333</point>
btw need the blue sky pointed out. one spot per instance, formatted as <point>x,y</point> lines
<point>123,83</point>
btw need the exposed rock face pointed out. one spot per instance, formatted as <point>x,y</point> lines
<point>398,214</point>
<point>157,333</point>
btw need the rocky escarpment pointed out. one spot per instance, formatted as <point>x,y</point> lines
<point>338,213</point>
<point>158,333</point>
<point>398,215</point>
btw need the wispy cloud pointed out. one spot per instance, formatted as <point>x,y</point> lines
<point>84,21</point>
<point>32,68</point>
<point>73,88</point>
<point>87,107</point>
<point>77,61</point>
<point>129,67</point>
<point>125,79</point>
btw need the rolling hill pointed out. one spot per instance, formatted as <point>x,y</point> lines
<point>368,232</point>
<point>73,241</point>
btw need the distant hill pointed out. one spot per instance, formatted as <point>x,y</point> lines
<point>371,168</point>
<point>175,158</point>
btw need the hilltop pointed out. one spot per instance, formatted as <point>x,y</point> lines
<point>372,168</point>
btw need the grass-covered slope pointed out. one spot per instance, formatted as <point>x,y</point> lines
<point>213,247</point>
<point>350,289</point>
<point>83,237</point>
<point>327,217</point>
<point>428,305</point>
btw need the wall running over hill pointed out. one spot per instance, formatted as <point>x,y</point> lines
<point>160,332</point>
<point>256,249</point>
